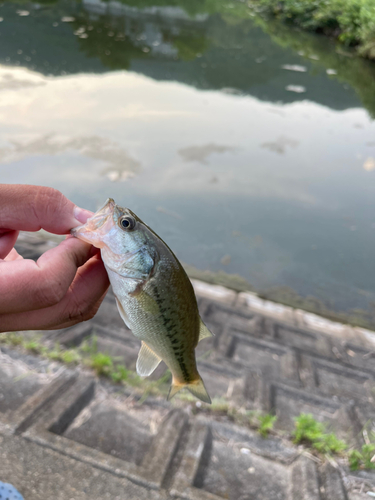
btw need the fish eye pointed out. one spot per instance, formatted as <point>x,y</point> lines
<point>127,223</point>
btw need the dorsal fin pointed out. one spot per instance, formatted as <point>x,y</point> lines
<point>204,332</point>
<point>147,361</point>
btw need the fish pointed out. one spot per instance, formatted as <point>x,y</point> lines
<point>154,295</point>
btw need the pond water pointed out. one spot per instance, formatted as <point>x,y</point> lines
<point>249,148</point>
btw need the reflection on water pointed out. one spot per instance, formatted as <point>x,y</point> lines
<point>201,153</point>
<point>195,120</point>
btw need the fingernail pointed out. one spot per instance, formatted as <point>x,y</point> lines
<point>81,214</point>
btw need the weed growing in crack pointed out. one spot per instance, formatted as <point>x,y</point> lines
<point>119,374</point>
<point>101,363</point>
<point>266,423</point>
<point>362,459</point>
<point>311,432</point>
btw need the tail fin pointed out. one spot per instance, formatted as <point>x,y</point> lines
<point>197,388</point>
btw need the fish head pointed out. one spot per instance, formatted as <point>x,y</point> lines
<point>115,230</point>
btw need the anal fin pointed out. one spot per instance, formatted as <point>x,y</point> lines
<point>204,332</point>
<point>147,361</point>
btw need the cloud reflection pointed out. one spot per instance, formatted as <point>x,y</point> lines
<point>123,124</point>
<point>121,165</point>
<point>200,154</point>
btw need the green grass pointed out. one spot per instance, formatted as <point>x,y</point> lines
<point>309,431</point>
<point>32,345</point>
<point>266,423</point>
<point>361,459</point>
<point>11,338</point>
<point>70,356</point>
<point>90,345</point>
<point>101,363</point>
<point>119,374</point>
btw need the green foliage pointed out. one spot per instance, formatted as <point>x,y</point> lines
<point>351,21</point>
<point>55,353</point>
<point>11,338</point>
<point>101,363</point>
<point>362,459</point>
<point>70,356</point>
<point>355,459</point>
<point>266,423</point>
<point>329,443</point>
<point>90,345</point>
<point>119,374</point>
<point>308,430</point>
<point>32,345</point>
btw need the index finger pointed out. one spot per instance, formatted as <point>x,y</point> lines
<point>30,208</point>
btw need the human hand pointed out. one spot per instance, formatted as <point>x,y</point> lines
<point>67,283</point>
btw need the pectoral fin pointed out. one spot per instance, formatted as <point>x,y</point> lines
<point>122,313</point>
<point>147,361</point>
<point>204,332</point>
<point>146,301</point>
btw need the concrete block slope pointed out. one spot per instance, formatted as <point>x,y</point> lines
<point>68,434</point>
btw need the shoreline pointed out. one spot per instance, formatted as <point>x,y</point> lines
<point>297,318</point>
<point>350,22</point>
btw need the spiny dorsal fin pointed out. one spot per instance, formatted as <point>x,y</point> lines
<point>204,332</point>
<point>147,361</point>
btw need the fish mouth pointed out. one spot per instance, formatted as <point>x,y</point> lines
<point>97,225</point>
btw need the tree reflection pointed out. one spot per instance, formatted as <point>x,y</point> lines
<point>209,44</point>
<point>105,39</point>
<point>339,61</point>
<point>116,40</point>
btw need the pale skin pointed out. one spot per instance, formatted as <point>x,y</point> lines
<point>67,283</point>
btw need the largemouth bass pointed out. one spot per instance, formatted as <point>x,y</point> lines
<point>153,293</point>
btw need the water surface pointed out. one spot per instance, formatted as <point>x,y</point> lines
<point>248,150</point>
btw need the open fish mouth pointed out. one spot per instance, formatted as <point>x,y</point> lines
<point>98,225</point>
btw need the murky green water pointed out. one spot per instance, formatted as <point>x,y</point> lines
<point>250,149</point>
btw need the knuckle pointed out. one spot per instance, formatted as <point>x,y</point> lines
<point>88,312</point>
<point>49,201</point>
<point>81,314</point>
<point>78,311</point>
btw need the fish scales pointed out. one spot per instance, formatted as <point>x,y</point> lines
<point>154,295</point>
<point>173,332</point>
